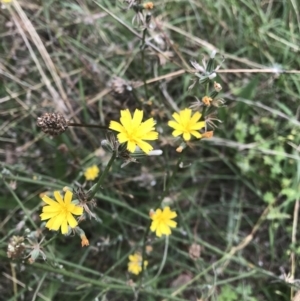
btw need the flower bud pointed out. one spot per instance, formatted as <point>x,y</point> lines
<point>217,87</point>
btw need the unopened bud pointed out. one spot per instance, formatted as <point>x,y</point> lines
<point>212,76</point>
<point>208,134</point>
<point>217,87</point>
<point>207,100</point>
<point>148,5</point>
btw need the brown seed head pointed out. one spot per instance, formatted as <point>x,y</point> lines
<point>120,87</point>
<point>52,123</point>
<point>195,251</point>
<point>16,247</point>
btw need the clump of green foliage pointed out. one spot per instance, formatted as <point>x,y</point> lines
<point>236,195</point>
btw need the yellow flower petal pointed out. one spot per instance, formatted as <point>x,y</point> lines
<point>151,136</point>
<point>53,208</point>
<point>144,146</point>
<point>176,133</point>
<point>47,215</point>
<point>116,126</point>
<point>64,227</point>
<point>50,222</point>
<point>122,137</point>
<point>198,125</point>
<point>53,223</point>
<point>49,201</point>
<point>71,220</point>
<point>186,136</point>
<point>68,197</point>
<point>59,219</point>
<point>196,134</point>
<point>77,210</point>
<point>171,224</point>
<point>126,119</point>
<point>174,125</point>
<point>131,146</point>
<point>58,197</point>
<point>137,118</point>
<point>176,116</point>
<point>195,117</point>
<point>146,126</point>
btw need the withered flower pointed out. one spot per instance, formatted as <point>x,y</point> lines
<point>16,247</point>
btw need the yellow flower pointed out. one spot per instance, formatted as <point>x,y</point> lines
<point>5,1</point>
<point>133,131</point>
<point>135,263</point>
<point>162,221</point>
<point>186,125</point>
<point>60,212</point>
<point>91,173</point>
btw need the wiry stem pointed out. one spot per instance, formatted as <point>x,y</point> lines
<point>143,45</point>
<point>165,192</point>
<point>95,188</point>
<point>162,262</point>
<point>98,126</point>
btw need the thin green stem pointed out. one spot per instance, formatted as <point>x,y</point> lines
<point>143,62</point>
<point>163,262</point>
<point>205,108</point>
<point>165,192</point>
<point>48,241</point>
<point>25,210</point>
<point>95,188</point>
<point>98,126</point>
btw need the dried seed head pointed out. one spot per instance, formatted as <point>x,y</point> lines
<point>196,105</point>
<point>119,85</point>
<point>16,247</point>
<point>120,88</point>
<point>212,121</point>
<point>218,102</point>
<point>195,251</point>
<point>52,123</point>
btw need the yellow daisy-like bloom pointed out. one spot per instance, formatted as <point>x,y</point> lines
<point>186,124</point>
<point>133,131</point>
<point>135,263</point>
<point>60,212</point>
<point>162,221</point>
<point>91,173</point>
